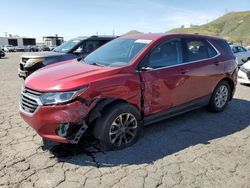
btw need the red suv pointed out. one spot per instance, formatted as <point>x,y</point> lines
<point>129,82</point>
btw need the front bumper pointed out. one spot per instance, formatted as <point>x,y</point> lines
<point>47,119</point>
<point>22,74</point>
<point>242,77</point>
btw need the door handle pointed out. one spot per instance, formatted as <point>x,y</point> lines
<point>216,63</point>
<point>184,71</point>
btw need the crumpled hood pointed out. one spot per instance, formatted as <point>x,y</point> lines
<point>42,54</point>
<point>66,76</point>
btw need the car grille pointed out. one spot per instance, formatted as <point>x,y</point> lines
<point>29,100</point>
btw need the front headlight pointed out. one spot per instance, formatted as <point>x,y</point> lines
<point>59,97</point>
<point>32,62</point>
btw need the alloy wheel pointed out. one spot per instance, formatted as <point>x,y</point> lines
<point>221,96</point>
<point>123,129</point>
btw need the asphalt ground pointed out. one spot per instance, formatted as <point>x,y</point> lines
<point>196,149</point>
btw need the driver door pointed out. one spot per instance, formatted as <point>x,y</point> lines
<point>163,77</point>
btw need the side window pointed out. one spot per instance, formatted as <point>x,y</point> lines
<point>91,46</point>
<point>197,49</point>
<point>166,54</point>
<point>241,49</point>
<point>88,46</point>
<point>102,42</point>
<point>235,50</point>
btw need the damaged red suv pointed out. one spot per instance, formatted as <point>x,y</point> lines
<point>129,82</point>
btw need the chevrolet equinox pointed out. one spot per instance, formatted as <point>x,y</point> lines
<point>129,82</point>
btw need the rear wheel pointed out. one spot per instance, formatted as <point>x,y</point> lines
<point>220,97</point>
<point>119,127</point>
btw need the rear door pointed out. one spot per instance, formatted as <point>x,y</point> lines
<point>203,68</point>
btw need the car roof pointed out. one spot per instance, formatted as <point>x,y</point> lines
<point>95,37</point>
<point>234,45</point>
<point>163,35</point>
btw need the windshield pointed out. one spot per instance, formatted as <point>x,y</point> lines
<point>119,52</point>
<point>67,46</point>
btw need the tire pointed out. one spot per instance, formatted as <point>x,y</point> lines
<point>114,135</point>
<point>220,97</point>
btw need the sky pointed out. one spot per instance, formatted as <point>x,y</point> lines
<point>72,18</point>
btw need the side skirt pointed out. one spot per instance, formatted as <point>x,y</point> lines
<point>204,101</point>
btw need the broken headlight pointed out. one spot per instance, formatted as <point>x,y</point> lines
<point>60,97</point>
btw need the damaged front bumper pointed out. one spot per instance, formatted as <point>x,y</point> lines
<point>59,123</point>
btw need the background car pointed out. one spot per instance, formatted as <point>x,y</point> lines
<point>241,53</point>
<point>2,54</point>
<point>75,48</point>
<point>51,48</point>
<point>9,48</point>
<point>32,48</point>
<point>19,49</point>
<point>244,73</point>
<point>43,48</point>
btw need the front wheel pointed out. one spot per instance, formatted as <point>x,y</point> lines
<point>119,127</point>
<point>220,97</point>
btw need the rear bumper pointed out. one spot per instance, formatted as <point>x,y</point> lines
<point>47,119</point>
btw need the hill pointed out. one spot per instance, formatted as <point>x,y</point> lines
<point>132,32</point>
<point>234,26</point>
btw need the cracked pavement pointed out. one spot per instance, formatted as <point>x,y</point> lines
<point>197,149</point>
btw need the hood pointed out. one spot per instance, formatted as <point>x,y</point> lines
<point>67,76</point>
<point>41,54</point>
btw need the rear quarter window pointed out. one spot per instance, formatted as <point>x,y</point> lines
<point>197,49</point>
<point>224,47</point>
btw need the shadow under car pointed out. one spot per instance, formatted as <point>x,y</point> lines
<point>161,139</point>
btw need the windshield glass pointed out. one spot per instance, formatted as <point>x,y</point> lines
<point>67,46</point>
<point>119,52</point>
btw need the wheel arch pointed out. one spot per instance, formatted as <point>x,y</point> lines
<point>102,105</point>
<point>231,84</point>
<point>99,109</point>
